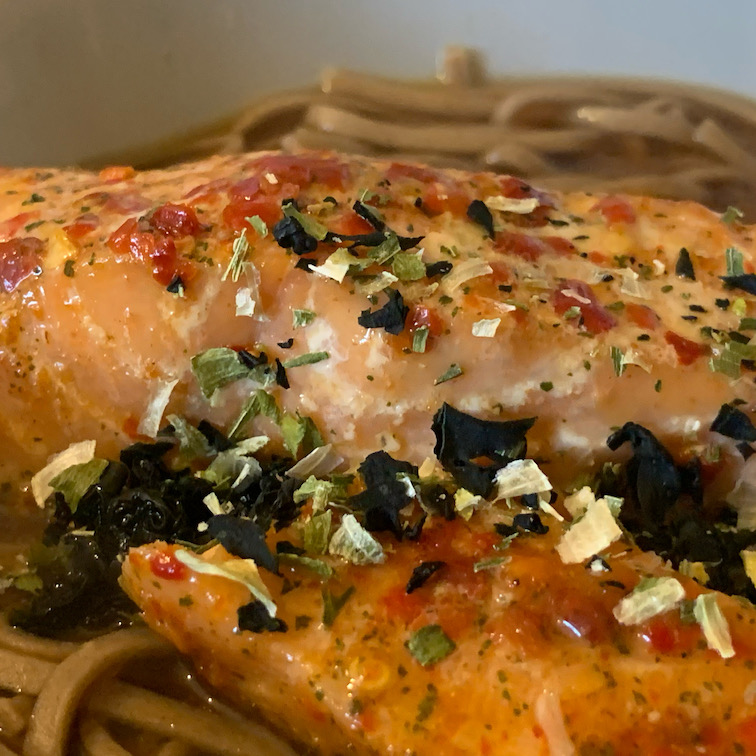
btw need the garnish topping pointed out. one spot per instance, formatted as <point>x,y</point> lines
<point>684,266</point>
<point>480,214</point>
<point>430,644</point>
<point>652,596</point>
<point>713,624</point>
<point>422,573</point>
<point>391,316</point>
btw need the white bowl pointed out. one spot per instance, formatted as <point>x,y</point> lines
<point>83,78</point>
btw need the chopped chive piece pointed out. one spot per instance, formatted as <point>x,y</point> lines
<point>258,224</point>
<point>334,603</point>
<point>731,215</point>
<point>310,358</point>
<point>618,360</point>
<point>734,262</point>
<point>239,252</point>
<point>419,339</point>
<point>454,371</point>
<point>302,318</point>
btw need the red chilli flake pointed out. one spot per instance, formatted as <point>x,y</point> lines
<point>642,316</point>
<point>82,226</point>
<point>530,248</point>
<point>687,351</point>
<point>615,210</point>
<point>167,567</point>
<point>571,293</point>
<point>19,258</point>
<point>176,220</point>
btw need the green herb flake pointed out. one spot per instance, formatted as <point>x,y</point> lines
<point>739,307</point>
<point>734,262</point>
<point>192,443</point>
<point>217,367</point>
<point>68,268</point>
<point>419,339</point>
<point>616,306</point>
<point>34,224</point>
<point>407,266</point>
<point>29,582</point>
<point>333,603</point>
<point>386,250</point>
<point>302,318</point>
<point>430,644</point>
<point>260,226</point>
<point>239,252</point>
<point>76,480</point>
<point>260,403</point>
<point>427,704</point>
<point>316,532</point>
<point>445,299</point>
<point>318,566</point>
<point>450,251</point>
<point>731,215</point>
<point>310,358</point>
<point>572,313</point>
<point>666,288</point>
<point>33,199</point>
<point>185,601</point>
<point>454,371</point>
<point>310,226</point>
<point>618,360</point>
<point>658,386</point>
<point>546,385</point>
<point>490,563</point>
<point>298,431</point>
<point>747,324</point>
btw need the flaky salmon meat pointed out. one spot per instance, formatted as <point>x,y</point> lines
<point>400,443</point>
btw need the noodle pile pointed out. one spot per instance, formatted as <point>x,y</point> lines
<point>569,133</point>
<point>56,692</point>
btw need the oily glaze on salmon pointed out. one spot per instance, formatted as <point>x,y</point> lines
<point>539,663</point>
<point>598,319</point>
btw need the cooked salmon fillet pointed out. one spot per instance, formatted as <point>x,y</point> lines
<point>598,305</point>
<point>540,665</point>
<point>391,317</point>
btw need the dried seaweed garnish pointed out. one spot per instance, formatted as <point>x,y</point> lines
<point>745,282</point>
<point>684,265</point>
<point>422,573</point>
<point>480,214</point>
<point>290,234</point>
<point>734,423</point>
<point>242,537</point>
<point>384,495</point>
<point>391,316</point>
<point>462,438</point>
<point>255,618</point>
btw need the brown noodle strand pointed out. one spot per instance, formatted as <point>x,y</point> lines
<point>97,741</point>
<point>23,674</point>
<point>14,715</point>
<point>175,748</point>
<point>59,698</point>
<point>31,645</point>
<point>205,730</point>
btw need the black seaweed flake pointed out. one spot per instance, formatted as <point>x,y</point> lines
<point>288,344</point>
<point>530,501</point>
<point>722,303</point>
<point>597,564</point>
<point>306,264</point>
<point>652,474</point>
<point>684,265</point>
<point>366,213</point>
<point>255,618</point>
<point>391,316</point>
<point>440,268</point>
<point>216,438</point>
<point>421,573</point>
<point>530,522</point>
<point>251,361</point>
<point>176,285</point>
<point>478,212</point>
<point>745,282</point>
<point>734,423</point>
<point>384,496</point>
<point>289,234</point>
<point>243,538</point>
<point>281,378</point>
<point>504,530</point>
<point>461,438</point>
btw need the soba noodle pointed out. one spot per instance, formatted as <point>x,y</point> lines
<point>589,133</point>
<point>592,134</point>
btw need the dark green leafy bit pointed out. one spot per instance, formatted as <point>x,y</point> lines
<point>242,537</point>
<point>479,213</point>
<point>384,495</point>
<point>216,438</point>
<point>684,266</point>
<point>390,316</point>
<point>745,282</point>
<point>421,573</point>
<point>69,268</point>
<point>734,423</point>
<point>462,438</point>
<point>333,603</point>
<point>430,644</point>
<point>255,618</point>
<point>290,234</point>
